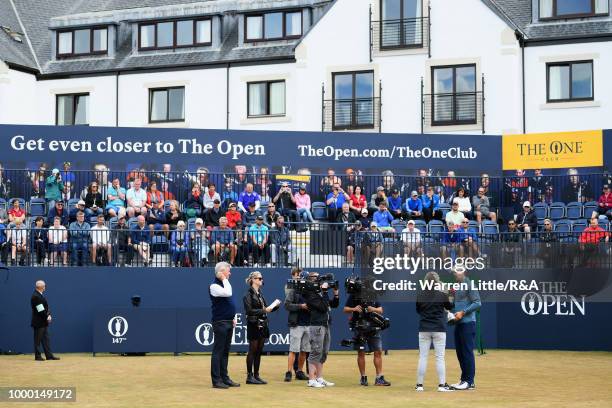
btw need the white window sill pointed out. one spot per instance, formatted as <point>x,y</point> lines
<point>570,105</point>
<point>168,125</point>
<point>265,119</point>
<point>452,128</point>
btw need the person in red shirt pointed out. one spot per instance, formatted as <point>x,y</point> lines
<point>605,202</point>
<point>232,216</point>
<point>593,234</point>
<point>357,201</point>
<point>16,213</point>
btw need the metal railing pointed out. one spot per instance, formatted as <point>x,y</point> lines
<point>316,245</point>
<point>400,34</point>
<point>347,114</point>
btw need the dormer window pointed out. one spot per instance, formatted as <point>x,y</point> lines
<point>175,34</point>
<point>557,9</point>
<point>82,41</point>
<point>282,25</point>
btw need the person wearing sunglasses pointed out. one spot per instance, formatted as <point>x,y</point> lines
<point>256,310</point>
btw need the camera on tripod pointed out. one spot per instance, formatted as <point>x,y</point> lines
<point>304,285</point>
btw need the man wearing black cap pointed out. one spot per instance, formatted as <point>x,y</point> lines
<point>214,214</point>
<point>58,210</point>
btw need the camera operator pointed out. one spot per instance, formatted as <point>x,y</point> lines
<point>359,308</point>
<point>319,304</point>
<point>299,320</point>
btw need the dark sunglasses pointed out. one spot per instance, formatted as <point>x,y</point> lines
<point>257,278</point>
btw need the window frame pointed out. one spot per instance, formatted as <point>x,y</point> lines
<point>454,121</point>
<point>74,102</point>
<point>555,16</point>
<point>167,89</point>
<point>268,99</point>
<point>72,54</point>
<point>353,124</point>
<point>569,64</point>
<point>402,43</point>
<point>263,26</point>
<point>174,22</point>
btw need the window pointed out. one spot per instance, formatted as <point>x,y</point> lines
<point>175,34</point>
<point>273,26</point>
<point>402,23</point>
<point>167,105</point>
<point>353,105</point>
<point>71,109</point>
<point>572,8</point>
<point>86,41</point>
<point>454,95</point>
<point>266,98</point>
<point>570,81</point>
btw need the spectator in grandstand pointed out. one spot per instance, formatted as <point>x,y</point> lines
<point>346,217</point>
<point>155,200</point>
<point>422,179</point>
<point>38,240</point>
<point>388,182</point>
<point>80,206</point>
<point>547,238</point>
<point>414,206</point>
<point>194,206</point>
<point>376,199</point>
<point>240,177</point>
<point>576,189</point>
<point>210,196</point>
<point>353,178</point>
<point>140,239</point>
<point>271,215</point>
<point>467,303</point>
<point>353,241</point>
<point>431,205</point>
<point>452,240</point>
<point>513,234</point>
<point>232,215</point>
<point>538,186</point>
<point>5,184</point>
<point>67,175</point>
<point>363,219</point>
<point>432,305</point>
<point>299,321</point>
<point>136,199</point>
<point>334,202</point>
<point>450,183</point>
<point>464,203</point>
<point>285,202</point>
<point>527,221</point>
<point>228,195</point>
<point>383,218</point>
<point>454,215</point>
<point>3,215</point>
<point>281,250</point>
<point>79,240</point>
<point>357,200</point>
<point>264,184</point>
<point>199,242</point>
<point>604,203</point>
<point>328,182</point>
<point>411,238</point>
<point>485,184</point>
<point>519,185</point>
<point>395,204</point>
<point>302,204</point>
<point>58,241</point>
<point>222,238</point>
<point>174,215</point>
<point>16,213</point>
<point>249,217</point>
<point>214,214</point>
<point>156,218</point>
<point>101,173</point>
<point>469,240</point>
<point>101,241</point>
<point>180,244</point>
<point>167,193</point>
<point>372,244</point>
<point>593,234</point>
<point>17,237</point>
<point>248,196</point>
<point>94,205</point>
<point>54,186</point>
<point>258,233</point>
<point>116,199</point>
<point>122,238</point>
<point>481,206</point>
<point>38,179</point>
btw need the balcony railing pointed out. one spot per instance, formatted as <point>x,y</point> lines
<point>398,34</point>
<point>345,114</point>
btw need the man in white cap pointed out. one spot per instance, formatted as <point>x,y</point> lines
<point>53,188</point>
<point>411,237</point>
<point>527,221</point>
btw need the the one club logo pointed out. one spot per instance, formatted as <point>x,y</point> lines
<point>118,327</point>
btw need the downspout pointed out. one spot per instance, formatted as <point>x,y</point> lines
<point>227,100</point>
<point>117,99</point>
<point>521,40</point>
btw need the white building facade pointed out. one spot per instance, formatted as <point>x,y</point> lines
<point>393,66</point>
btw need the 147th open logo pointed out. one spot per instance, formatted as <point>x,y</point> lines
<point>118,327</point>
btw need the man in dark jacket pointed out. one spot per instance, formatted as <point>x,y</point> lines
<point>211,219</point>
<point>41,317</point>
<point>319,304</point>
<point>299,321</point>
<point>527,221</point>
<point>58,211</point>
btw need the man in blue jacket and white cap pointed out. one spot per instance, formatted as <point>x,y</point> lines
<point>467,303</point>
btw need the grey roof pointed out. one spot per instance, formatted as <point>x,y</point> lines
<point>12,51</point>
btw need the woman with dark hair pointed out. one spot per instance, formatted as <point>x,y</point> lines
<point>465,206</point>
<point>256,309</point>
<point>94,205</point>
